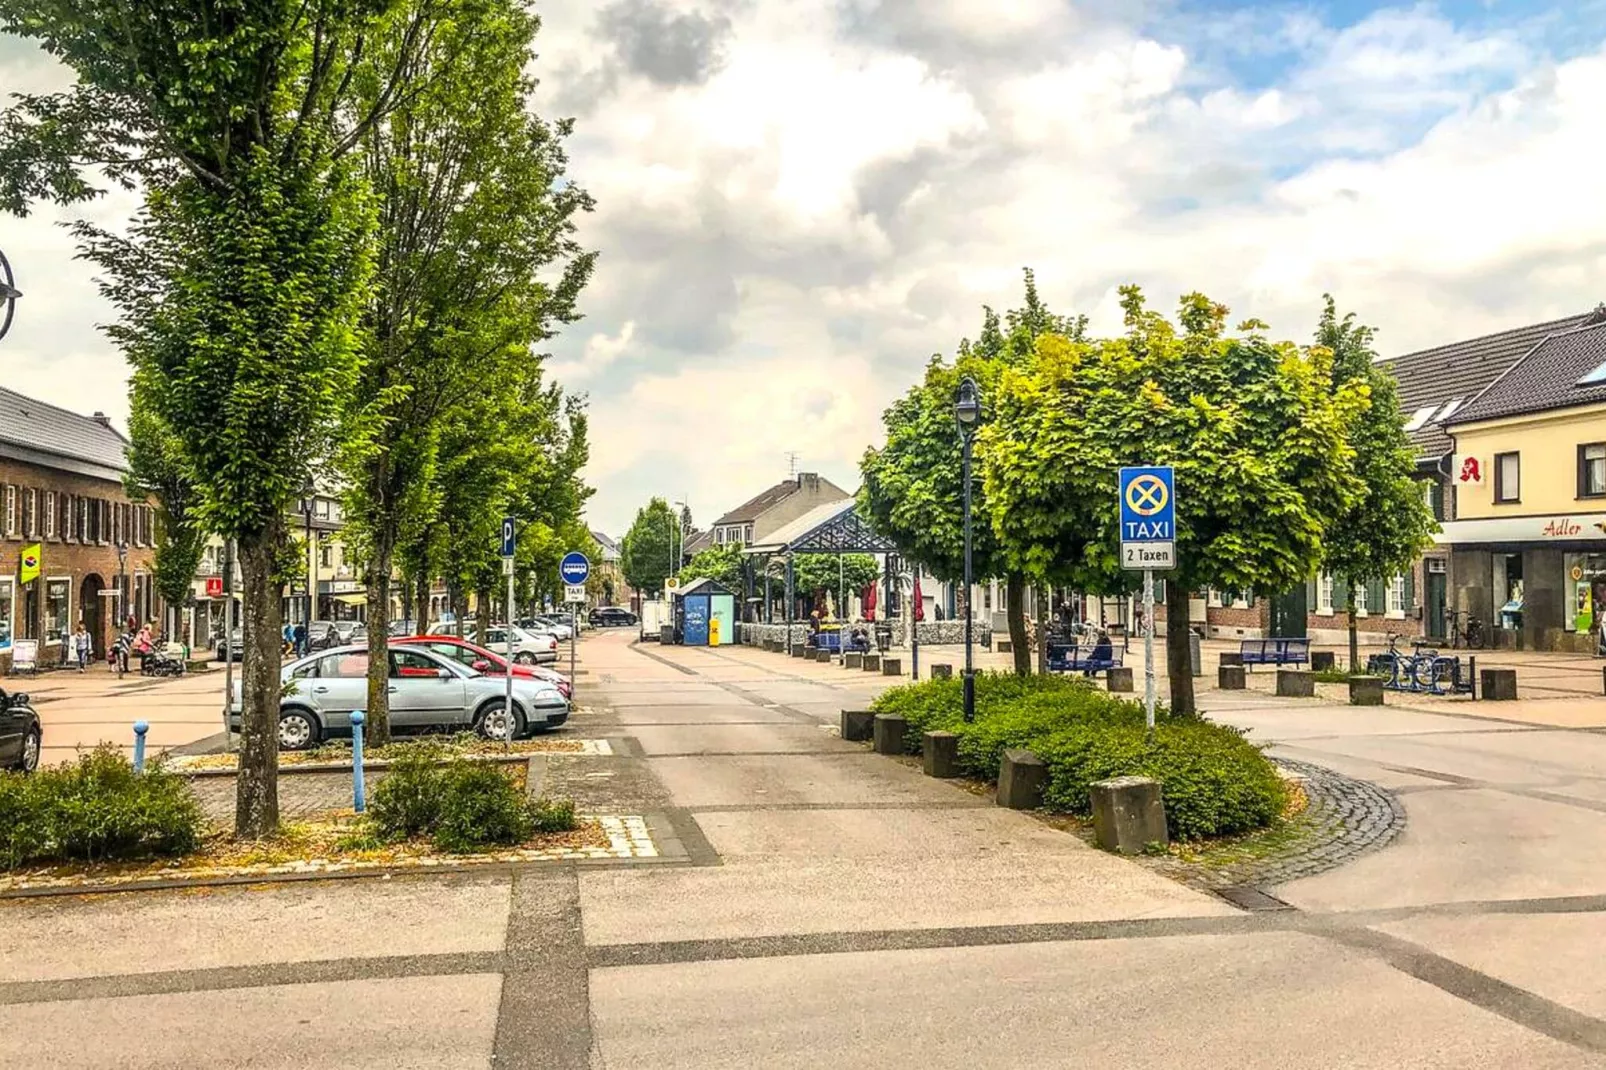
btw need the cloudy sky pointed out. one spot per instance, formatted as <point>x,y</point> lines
<point>799,202</point>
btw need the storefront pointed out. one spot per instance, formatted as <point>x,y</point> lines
<point>1535,583</point>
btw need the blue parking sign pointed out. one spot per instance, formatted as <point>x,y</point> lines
<point>1148,517</point>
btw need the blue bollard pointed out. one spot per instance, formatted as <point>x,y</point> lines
<point>140,728</point>
<point>359,792</point>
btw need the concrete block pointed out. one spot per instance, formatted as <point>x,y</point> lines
<point>1234,658</point>
<point>891,666</point>
<point>871,663</point>
<point>941,754</point>
<point>852,659</point>
<point>1230,678</point>
<point>1296,683</point>
<point>822,655</point>
<point>857,725</point>
<point>888,733</point>
<point>1366,691</point>
<point>1323,660</point>
<point>1128,814</point>
<point>1022,776</point>
<point>944,671</point>
<point>1004,646</point>
<point>1498,685</point>
<point>800,651</point>
<point>1119,680</point>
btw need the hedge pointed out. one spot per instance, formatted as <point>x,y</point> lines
<point>1214,781</point>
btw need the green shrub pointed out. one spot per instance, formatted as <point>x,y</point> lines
<point>1213,780</point>
<point>97,810</point>
<point>1028,718</point>
<point>939,705</point>
<point>553,815</point>
<point>480,807</point>
<point>407,800</point>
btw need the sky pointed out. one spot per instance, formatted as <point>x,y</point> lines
<point>798,203</point>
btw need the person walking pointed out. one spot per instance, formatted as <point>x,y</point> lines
<point>81,646</point>
<point>300,636</point>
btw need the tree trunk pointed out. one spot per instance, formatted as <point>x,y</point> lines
<point>421,601</point>
<point>482,618</point>
<point>1044,600</point>
<point>377,731</point>
<point>256,787</point>
<point>454,598</point>
<point>1015,594</point>
<point>1354,631</point>
<point>1178,650</point>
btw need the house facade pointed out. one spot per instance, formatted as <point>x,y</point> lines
<point>756,519</point>
<point>61,490</point>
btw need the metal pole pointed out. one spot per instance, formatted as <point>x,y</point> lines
<point>228,638</point>
<point>509,673</point>
<point>140,728</point>
<point>791,580</point>
<point>359,786</point>
<point>1148,647</point>
<point>970,674</point>
<point>574,637</point>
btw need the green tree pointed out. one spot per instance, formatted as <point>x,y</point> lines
<point>1388,525</point>
<point>645,551</point>
<point>818,573</point>
<point>156,470</point>
<point>722,564</point>
<point>1254,428</point>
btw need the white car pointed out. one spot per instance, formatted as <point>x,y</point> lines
<point>528,647</point>
<point>427,690</point>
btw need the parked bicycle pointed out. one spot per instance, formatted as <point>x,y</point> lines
<point>1465,630</point>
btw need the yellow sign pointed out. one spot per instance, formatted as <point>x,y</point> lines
<point>1146,495</point>
<point>1578,572</point>
<point>713,631</point>
<point>30,563</point>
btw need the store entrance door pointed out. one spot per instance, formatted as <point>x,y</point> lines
<point>1433,599</point>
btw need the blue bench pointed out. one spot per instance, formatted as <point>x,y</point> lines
<point>831,641</point>
<point>1275,652</point>
<point>1069,657</point>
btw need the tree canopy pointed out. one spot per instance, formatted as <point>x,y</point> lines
<point>648,547</point>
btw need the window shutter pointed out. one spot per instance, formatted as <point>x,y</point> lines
<point>1376,600</point>
<point>1410,591</point>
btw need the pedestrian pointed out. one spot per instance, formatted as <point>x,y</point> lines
<point>300,636</point>
<point>81,646</point>
<point>118,654</point>
<point>144,645</point>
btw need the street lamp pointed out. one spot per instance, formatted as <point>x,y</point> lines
<point>123,607</point>
<point>8,295</point>
<point>967,412</point>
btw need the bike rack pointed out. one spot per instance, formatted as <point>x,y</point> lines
<point>1426,672</point>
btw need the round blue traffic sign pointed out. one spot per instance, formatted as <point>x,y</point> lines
<point>575,568</point>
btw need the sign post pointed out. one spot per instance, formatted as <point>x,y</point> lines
<point>574,570</point>
<point>1148,542</point>
<point>509,545</point>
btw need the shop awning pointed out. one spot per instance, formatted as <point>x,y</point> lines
<point>352,599</point>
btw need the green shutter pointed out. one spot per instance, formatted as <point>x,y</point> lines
<point>1310,595</point>
<point>1410,591</point>
<point>1376,597</point>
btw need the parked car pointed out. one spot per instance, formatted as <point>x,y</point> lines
<point>612,617</point>
<point>427,690</point>
<point>21,736</point>
<point>546,622</point>
<point>350,631</point>
<point>528,647</point>
<point>232,648</point>
<point>487,661</point>
<point>401,628</point>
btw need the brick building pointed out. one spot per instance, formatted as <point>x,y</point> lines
<point>61,488</point>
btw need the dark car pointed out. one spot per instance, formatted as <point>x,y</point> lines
<point>611,617</point>
<point>20,735</point>
<point>233,648</point>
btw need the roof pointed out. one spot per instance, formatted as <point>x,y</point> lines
<point>753,508</point>
<point>610,548</point>
<point>1548,377</point>
<point>835,527</point>
<point>1432,378</point>
<point>696,542</point>
<point>37,427</point>
<point>703,585</point>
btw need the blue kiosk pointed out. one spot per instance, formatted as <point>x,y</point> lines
<point>705,614</point>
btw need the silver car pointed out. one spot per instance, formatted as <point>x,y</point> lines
<point>426,691</point>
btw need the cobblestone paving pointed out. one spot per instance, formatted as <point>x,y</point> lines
<point>1344,818</point>
<point>300,794</point>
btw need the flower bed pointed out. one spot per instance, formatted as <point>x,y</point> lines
<point>336,753</point>
<point>1214,781</point>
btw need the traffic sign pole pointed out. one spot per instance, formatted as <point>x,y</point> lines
<point>509,546</point>
<point>1148,648</point>
<point>1147,498</point>
<point>574,570</point>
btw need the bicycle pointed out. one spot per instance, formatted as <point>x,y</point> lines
<point>1465,630</point>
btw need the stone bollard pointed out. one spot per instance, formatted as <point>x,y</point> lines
<point>800,651</point>
<point>1128,814</point>
<point>1004,646</point>
<point>1235,658</point>
<point>942,671</point>
<point>1498,685</point>
<point>853,659</point>
<point>871,663</point>
<point>1366,691</point>
<point>940,753</point>
<point>1323,661</point>
<point>1296,683</point>
<point>891,666</point>
<point>888,733</point>
<point>1119,680</point>
<point>1022,776</point>
<point>857,725</point>
<point>822,654</point>
<point>1230,678</point>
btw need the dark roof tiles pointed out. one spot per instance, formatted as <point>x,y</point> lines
<point>1547,378</point>
<point>46,428</point>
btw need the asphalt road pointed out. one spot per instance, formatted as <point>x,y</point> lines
<point>821,907</point>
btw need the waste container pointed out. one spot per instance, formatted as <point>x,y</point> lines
<point>1193,652</point>
<point>666,634</point>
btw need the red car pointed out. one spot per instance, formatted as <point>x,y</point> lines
<point>485,661</point>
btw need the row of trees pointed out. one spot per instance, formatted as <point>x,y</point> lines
<point>355,235</point>
<point>1288,458</point>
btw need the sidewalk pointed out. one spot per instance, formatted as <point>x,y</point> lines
<point>80,710</point>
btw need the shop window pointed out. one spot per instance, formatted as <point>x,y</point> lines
<point>1324,595</point>
<point>1592,470</point>
<point>7,608</point>
<point>57,594</point>
<point>1395,605</point>
<point>1508,477</point>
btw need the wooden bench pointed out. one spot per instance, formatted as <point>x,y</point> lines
<point>1064,657</point>
<point>1274,652</point>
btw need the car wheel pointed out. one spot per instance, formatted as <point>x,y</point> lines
<point>298,730</point>
<point>31,747</point>
<point>490,722</point>
<point>524,657</point>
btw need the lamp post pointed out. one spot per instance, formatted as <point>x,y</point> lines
<point>967,412</point>
<point>123,609</point>
<point>8,295</point>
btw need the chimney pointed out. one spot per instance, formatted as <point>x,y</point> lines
<point>811,480</point>
<point>102,419</point>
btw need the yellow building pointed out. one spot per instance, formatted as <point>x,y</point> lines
<point>1528,542</point>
